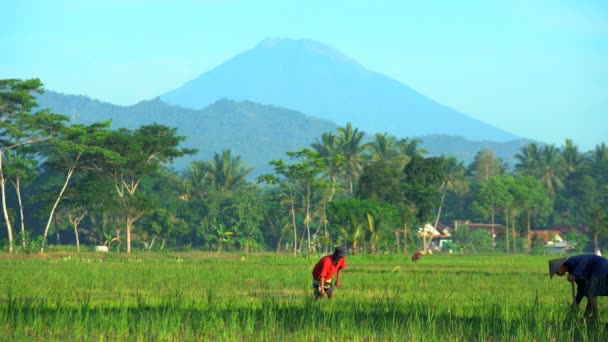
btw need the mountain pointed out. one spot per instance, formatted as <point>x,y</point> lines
<point>257,133</point>
<point>317,80</point>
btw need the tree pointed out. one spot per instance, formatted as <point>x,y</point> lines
<point>528,160</point>
<point>491,197</point>
<point>20,167</point>
<point>351,148</point>
<point>380,181</point>
<point>78,146</point>
<point>533,200</point>
<point>551,169</point>
<point>453,179</point>
<point>19,127</point>
<point>486,165</point>
<point>598,225</point>
<point>421,179</point>
<point>328,149</point>
<point>144,151</point>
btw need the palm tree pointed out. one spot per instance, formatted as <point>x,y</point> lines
<point>226,172</point>
<point>351,148</point>
<point>600,153</point>
<point>453,180</point>
<point>527,160</point>
<point>551,168</point>
<point>411,147</point>
<point>328,149</point>
<point>573,159</point>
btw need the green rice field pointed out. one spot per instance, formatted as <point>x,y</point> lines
<point>268,297</point>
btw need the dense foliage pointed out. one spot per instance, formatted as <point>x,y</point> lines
<point>95,185</point>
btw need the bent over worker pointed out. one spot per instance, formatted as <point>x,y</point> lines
<point>589,272</point>
<point>325,269</point>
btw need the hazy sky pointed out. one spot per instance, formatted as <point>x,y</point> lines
<point>538,69</point>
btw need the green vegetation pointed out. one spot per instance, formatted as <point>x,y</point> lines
<point>90,184</point>
<point>221,296</point>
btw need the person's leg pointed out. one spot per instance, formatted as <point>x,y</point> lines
<point>591,311</point>
<point>329,290</point>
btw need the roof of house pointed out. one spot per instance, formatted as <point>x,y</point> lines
<point>547,236</point>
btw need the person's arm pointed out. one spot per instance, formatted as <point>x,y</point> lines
<point>580,290</point>
<point>339,278</point>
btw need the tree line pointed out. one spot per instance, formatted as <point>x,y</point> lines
<point>65,183</point>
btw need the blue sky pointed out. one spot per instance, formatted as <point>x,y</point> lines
<point>538,69</point>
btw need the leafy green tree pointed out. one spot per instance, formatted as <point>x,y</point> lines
<point>533,200</point>
<point>453,179</point>
<point>421,180</point>
<point>306,171</point>
<point>485,165</point>
<point>490,199</point>
<point>598,225</point>
<point>577,240</point>
<point>20,167</point>
<point>20,127</point>
<point>144,151</point>
<point>285,178</point>
<point>380,181</point>
<point>78,147</point>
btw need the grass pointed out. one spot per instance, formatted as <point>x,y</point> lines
<point>203,296</point>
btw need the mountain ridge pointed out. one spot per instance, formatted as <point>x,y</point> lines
<point>255,132</point>
<point>313,78</point>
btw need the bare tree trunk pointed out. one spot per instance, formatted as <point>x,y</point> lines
<point>75,220</point>
<point>507,231</point>
<point>405,238</point>
<point>17,185</point>
<point>7,220</point>
<point>493,234</point>
<point>295,230</point>
<point>65,185</point>
<point>440,206</point>
<point>513,235</point>
<point>528,237</point>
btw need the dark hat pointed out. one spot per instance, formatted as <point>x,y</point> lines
<point>554,265</point>
<point>339,251</point>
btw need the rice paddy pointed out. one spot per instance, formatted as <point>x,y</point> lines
<point>202,296</point>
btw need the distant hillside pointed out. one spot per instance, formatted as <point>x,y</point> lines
<point>315,79</point>
<point>465,150</point>
<point>257,133</point>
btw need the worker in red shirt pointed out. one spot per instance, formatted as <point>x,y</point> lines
<point>324,271</point>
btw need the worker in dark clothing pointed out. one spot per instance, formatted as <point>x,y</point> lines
<point>589,272</point>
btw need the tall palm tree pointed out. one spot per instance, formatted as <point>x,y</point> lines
<point>328,149</point>
<point>573,159</point>
<point>453,180</point>
<point>351,147</point>
<point>551,168</point>
<point>226,172</point>
<point>600,153</point>
<point>527,160</point>
<point>411,147</point>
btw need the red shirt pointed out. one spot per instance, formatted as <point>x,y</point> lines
<point>325,268</point>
